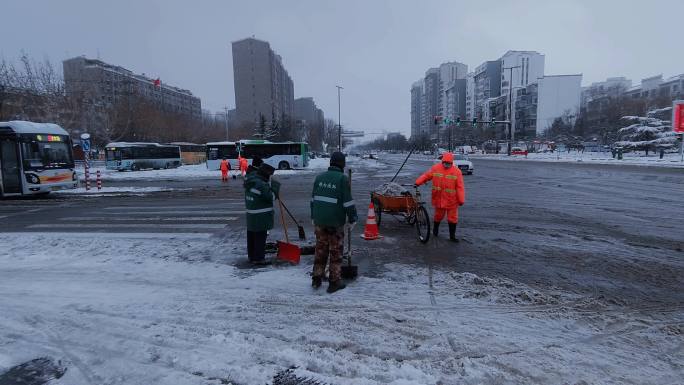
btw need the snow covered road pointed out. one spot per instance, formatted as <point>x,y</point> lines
<point>166,309</point>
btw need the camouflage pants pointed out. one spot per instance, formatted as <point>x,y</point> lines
<point>329,241</point>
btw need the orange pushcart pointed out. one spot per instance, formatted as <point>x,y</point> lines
<point>407,206</point>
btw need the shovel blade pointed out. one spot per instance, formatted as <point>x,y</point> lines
<point>350,271</point>
<point>289,252</point>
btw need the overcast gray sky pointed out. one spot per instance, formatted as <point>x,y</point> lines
<point>374,49</point>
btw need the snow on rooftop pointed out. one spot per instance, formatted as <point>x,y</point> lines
<point>25,127</point>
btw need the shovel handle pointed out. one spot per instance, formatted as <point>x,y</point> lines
<point>349,252</point>
<point>282,220</point>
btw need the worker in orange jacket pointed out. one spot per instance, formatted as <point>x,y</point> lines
<point>225,167</point>
<point>448,192</point>
<point>244,163</point>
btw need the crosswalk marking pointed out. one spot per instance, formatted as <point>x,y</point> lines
<point>178,212</point>
<point>137,235</point>
<point>129,225</point>
<point>190,219</point>
<point>169,207</point>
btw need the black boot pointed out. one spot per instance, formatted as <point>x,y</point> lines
<point>316,282</point>
<point>452,232</point>
<point>435,228</point>
<point>335,286</point>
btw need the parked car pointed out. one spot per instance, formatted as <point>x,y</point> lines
<point>464,164</point>
<point>518,151</point>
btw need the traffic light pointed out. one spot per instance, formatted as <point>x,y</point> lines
<point>474,121</point>
<point>493,122</point>
<point>458,121</point>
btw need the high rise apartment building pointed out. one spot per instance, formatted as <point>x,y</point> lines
<point>99,84</point>
<point>263,88</point>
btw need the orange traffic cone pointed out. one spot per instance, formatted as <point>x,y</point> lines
<point>371,231</point>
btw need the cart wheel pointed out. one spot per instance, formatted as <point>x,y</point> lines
<point>422,224</point>
<point>378,211</point>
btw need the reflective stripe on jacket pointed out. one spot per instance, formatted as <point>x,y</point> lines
<point>331,200</point>
<point>259,203</point>
<point>448,191</point>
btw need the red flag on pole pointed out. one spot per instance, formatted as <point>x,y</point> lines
<point>157,82</point>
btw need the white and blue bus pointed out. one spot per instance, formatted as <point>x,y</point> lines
<point>137,156</point>
<point>35,158</point>
<point>280,155</point>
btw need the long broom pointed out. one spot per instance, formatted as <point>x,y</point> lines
<point>300,229</point>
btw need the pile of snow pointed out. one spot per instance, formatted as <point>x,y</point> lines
<point>113,190</point>
<point>181,173</point>
<point>671,160</point>
<point>391,189</point>
<point>319,163</point>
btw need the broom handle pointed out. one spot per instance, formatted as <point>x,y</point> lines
<point>402,165</point>
<point>349,232</point>
<point>282,220</point>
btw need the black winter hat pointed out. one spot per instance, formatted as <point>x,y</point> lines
<point>266,170</point>
<point>257,162</point>
<point>337,159</point>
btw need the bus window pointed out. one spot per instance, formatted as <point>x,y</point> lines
<point>295,149</point>
<point>113,155</point>
<point>38,154</point>
<point>228,152</point>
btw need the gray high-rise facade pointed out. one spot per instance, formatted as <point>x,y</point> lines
<point>487,85</point>
<point>263,88</point>
<point>442,92</point>
<point>416,107</point>
<point>308,116</point>
<point>96,83</point>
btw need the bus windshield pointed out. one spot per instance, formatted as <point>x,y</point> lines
<point>218,152</point>
<point>51,152</point>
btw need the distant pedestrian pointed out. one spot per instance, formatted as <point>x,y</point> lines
<point>225,168</point>
<point>331,206</point>
<point>243,164</point>
<point>259,197</point>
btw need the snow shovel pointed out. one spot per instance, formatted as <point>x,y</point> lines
<point>349,271</point>
<point>286,250</point>
<point>300,229</point>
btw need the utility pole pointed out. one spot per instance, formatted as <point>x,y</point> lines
<point>510,107</point>
<point>225,108</point>
<point>339,120</point>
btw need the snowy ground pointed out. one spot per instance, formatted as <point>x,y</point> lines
<point>174,309</point>
<point>199,171</point>
<point>109,191</point>
<point>636,159</point>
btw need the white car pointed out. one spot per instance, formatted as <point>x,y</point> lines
<point>464,164</point>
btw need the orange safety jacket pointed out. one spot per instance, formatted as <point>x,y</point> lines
<point>225,166</point>
<point>448,191</point>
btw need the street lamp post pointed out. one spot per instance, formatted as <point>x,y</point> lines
<point>339,119</point>
<point>510,106</point>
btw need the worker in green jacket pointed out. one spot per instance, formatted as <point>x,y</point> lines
<point>331,207</point>
<point>260,193</point>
